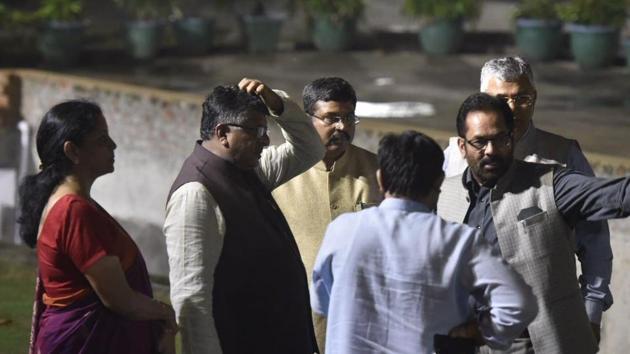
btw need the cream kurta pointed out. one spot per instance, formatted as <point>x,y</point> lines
<point>313,199</point>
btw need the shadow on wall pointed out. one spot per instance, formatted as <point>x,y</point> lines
<point>151,241</point>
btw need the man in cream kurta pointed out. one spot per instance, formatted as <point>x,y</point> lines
<point>202,257</point>
<point>313,199</point>
<point>344,181</point>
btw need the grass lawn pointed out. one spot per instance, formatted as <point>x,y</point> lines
<point>17,287</point>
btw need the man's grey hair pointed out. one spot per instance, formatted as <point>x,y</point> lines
<point>508,69</point>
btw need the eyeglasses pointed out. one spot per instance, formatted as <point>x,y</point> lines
<point>332,120</point>
<point>500,141</point>
<point>519,100</point>
<point>260,130</point>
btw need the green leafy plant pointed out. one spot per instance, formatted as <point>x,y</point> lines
<point>60,10</point>
<point>336,10</point>
<point>4,12</point>
<point>257,8</point>
<point>443,9</point>
<point>538,9</point>
<point>183,8</point>
<point>191,8</point>
<point>8,16</point>
<point>145,9</point>
<point>594,12</point>
<point>18,18</point>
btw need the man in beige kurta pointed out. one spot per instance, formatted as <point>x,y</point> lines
<point>344,181</point>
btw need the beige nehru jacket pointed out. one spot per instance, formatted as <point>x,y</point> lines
<point>313,199</point>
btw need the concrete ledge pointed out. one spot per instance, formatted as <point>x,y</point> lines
<point>603,165</point>
<point>608,166</point>
<point>86,83</point>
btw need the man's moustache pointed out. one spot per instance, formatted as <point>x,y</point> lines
<point>338,137</point>
<point>488,160</point>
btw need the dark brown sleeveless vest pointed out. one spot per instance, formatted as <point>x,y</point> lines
<point>260,297</point>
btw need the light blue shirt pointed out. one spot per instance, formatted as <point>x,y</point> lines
<point>389,278</point>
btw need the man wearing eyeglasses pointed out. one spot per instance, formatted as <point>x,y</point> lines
<point>238,284</point>
<point>511,79</point>
<point>344,181</point>
<point>528,211</point>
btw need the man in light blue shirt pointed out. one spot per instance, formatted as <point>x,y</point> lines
<point>390,278</point>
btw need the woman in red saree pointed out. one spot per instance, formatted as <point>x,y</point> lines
<point>93,293</point>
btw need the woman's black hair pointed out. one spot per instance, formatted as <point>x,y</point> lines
<point>67,121</point>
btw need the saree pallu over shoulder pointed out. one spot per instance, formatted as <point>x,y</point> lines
<point>87,326</point>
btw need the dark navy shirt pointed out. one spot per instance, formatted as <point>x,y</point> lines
<point>577,196</point>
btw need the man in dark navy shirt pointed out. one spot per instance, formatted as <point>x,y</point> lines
<point>528,212</point>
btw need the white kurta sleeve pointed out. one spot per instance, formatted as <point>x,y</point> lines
<point>302,149</point>
<point>194,230</point>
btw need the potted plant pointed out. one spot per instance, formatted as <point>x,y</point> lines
<point>144,29</point>
<point>594,28</point>
<point>538,29</point>
<point>261,28</point>
<point>193,31</point>
<point>19,38</point>
<point>334,22</point>
<point>61,37</point>
<point>442,30</point>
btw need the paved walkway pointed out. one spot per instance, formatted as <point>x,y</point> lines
<point>593,107</point>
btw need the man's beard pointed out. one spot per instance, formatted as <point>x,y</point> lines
<point>489,178</point>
